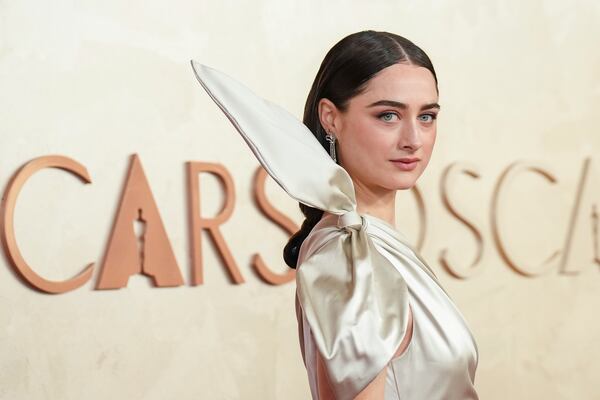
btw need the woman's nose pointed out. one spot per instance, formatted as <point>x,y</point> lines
<point>410,136</point>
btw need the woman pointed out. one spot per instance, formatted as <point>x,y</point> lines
<point>373,320</point>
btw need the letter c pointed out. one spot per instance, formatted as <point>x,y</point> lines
<point>7,232</point>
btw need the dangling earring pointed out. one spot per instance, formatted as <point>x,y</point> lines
<point>331,139</point>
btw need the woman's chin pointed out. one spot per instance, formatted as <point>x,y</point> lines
<point>405,181</point>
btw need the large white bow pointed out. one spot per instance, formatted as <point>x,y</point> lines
<point>354,299</point>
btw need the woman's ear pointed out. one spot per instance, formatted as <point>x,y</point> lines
<point>327,115</point>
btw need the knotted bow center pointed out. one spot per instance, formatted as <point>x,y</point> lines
<point>350,220</point>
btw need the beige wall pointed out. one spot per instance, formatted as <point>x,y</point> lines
<point>98,82</point>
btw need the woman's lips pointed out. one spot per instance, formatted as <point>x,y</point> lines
<point>405,165</point>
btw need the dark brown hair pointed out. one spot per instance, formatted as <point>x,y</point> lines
<point>344,73</point>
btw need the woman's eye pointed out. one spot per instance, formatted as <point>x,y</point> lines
<point>429,117</point>
<point>386,116</point>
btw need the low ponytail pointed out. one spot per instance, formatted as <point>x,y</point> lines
<point>292,248</point>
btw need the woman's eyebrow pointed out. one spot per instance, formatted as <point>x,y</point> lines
<point>402,106</point>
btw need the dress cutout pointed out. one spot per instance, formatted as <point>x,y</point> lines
<point>352,295</point>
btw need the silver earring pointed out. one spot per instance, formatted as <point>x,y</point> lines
<point>331,139</point>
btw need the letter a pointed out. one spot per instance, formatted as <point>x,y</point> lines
<point>123,256</point>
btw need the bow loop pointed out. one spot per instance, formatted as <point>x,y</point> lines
<point>284,146</point>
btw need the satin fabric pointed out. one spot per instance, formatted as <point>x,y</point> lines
<point>352,296</point>
<point>442,355</point>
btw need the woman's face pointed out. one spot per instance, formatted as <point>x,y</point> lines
<point>394,118</point>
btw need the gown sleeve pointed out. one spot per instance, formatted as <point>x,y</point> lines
<point>354,299</point>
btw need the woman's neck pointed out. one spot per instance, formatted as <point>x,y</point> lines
<point>378,203</point>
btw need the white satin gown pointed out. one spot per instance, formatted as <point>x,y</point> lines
<point>357,276</point>
<point>441,358</point>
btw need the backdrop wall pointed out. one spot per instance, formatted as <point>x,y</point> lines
<point>100,81</point>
